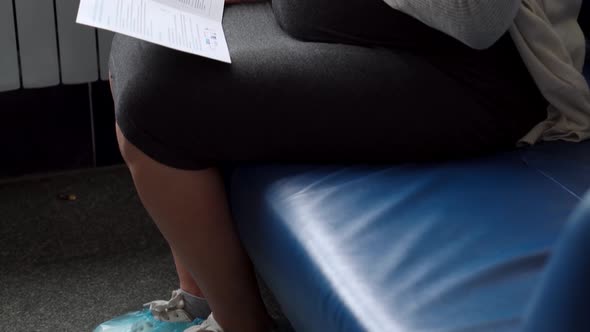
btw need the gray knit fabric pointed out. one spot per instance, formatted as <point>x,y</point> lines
<point>477,23</point>
<point>549,39</point>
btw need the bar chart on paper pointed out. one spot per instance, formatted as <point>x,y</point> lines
<point>192,26</point>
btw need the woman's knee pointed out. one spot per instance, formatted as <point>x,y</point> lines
<point>138,72</point>
<point>154,94</point>
<point>132,155</point>
<point>140,83</point>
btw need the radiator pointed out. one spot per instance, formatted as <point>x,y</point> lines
<point>41,45</point>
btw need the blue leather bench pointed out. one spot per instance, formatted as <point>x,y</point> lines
<point>474,245</point>
<point>561,303</point>
<point>456,246</point>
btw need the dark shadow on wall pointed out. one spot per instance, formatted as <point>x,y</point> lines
<point>107,150</point>
<point>56,129</point>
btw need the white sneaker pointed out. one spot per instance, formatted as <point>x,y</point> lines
<point>169,311</point>
<point>161,316</point>
<point>208,325</point>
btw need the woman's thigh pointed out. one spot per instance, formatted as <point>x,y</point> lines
<point>284,99</point>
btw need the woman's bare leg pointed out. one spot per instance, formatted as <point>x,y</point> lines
<point>190,209</point>
<point>186,280</point>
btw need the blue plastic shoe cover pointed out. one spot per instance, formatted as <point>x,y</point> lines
<point>143,321</point>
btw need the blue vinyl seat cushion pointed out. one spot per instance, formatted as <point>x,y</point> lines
<point>562,299</point>
<point>455,246</point>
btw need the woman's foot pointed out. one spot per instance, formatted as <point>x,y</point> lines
<point>157,316</point>
<point>208,325</point>
<point>211,325</point>
<point>172,310</point>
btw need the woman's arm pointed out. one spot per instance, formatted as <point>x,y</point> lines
<point>477,23</point>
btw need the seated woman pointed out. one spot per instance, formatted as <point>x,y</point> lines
<point>330,81</point>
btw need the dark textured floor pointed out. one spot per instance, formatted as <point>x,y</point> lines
<point>70,265</point>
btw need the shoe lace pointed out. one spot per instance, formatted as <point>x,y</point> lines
<point>161,309</point>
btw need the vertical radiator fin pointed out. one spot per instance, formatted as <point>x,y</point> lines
<point>38,43</point>
<point>77,45</point>
<point>9,69</point>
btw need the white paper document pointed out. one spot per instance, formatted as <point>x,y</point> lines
<point>192,26</point>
